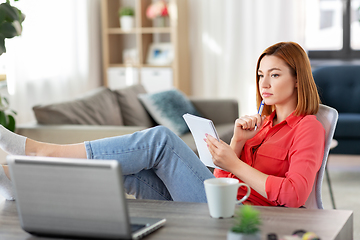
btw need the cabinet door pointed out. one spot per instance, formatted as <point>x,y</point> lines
<point>157,79</point>
<point>120,77</point>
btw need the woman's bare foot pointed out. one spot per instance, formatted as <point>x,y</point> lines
<point>35,148</point>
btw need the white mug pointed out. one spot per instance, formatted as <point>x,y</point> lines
<point>221,195</point>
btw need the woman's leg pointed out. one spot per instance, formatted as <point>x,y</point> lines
<point>15,144</point>
<point>160,150</point>
<point>178,170</point>
<point>146,185</point>
<point>35,148</point>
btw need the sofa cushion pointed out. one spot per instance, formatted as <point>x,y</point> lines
<point>348,126</point>
<point>99,107</point>
<point>168,107</point>
<point>132,111</point>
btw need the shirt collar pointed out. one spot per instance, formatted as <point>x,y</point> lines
<point>291,120</point>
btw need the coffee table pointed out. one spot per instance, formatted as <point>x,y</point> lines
<point>192,221</point>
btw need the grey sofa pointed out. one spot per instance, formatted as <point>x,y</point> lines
<point>106,113</point>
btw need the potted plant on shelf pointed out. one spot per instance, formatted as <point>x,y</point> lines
<point>126,15</point>
<point>11,19</point>
<point>246,224</point>
<point>159,11</point>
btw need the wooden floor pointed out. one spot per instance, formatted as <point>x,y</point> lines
<point>344,173</point>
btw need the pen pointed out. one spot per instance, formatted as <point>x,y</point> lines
<point>261,107</point>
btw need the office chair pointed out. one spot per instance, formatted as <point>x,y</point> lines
<point>328,117</point>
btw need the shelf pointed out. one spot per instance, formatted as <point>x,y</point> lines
<point>120,31</point>
<point>139,30</point>
<point>156,30</point>
<point>124,65</point>
<point>155,66</point>
<point>139,65</point>
<point>130,49</point>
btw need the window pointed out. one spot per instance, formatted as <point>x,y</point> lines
<point>355,25</point>
<point>333,29</point>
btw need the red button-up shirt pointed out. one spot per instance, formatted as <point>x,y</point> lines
<point>290,153</point>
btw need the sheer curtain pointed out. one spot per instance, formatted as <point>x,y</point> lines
<point>58,55</point>
<point>227,37</point>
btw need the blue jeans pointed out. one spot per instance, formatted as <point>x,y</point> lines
<point>156,164</point>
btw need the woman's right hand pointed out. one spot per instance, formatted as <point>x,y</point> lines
<point>244,128</point>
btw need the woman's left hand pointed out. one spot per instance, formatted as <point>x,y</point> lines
<point>223,155</point>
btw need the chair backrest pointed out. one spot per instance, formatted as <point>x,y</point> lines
<point>328,117</point>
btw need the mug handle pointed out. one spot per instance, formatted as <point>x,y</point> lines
<point>247,194</point>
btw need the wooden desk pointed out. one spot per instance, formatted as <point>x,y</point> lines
<point>192,221</point>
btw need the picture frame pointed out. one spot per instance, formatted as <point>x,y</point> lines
<point>160,54</point>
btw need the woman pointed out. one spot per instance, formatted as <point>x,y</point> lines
<point>278,159</point>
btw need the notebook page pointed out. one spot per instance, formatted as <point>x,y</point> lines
<point>199,127</point>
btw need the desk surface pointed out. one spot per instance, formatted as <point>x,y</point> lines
<point>192,221</point>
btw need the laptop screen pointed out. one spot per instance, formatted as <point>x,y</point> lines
<point>74,197</point>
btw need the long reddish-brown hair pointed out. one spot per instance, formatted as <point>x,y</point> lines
<point>296,58</point>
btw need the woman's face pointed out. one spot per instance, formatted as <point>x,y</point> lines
<point>277,85</point>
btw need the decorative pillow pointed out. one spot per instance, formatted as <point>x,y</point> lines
<point>168,107</point>
<point>99,107</point>
<point>132,111</point>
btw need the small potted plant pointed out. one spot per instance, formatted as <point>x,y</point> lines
<point>246,224</point>
<point>158,10</point>
<point>126,15</point>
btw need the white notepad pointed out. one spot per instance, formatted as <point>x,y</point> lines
<point>199,127</point>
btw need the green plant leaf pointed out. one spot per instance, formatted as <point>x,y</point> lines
<point>6,100</point>
<point>10,12</point>
<point>11,123</point>
<point>246,220</point>
<point>4,103</point>
<point>7,120</point>
<point>2,14</point>
<point>2,45</point>
<point>3,119</point>
<point>21,16</point>
<point>11,19</point>
<point>9,30</point>
<point>126,11</point>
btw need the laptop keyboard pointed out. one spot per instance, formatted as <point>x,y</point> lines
<point>135,227</point>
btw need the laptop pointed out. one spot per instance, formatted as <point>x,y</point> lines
<point>65,197</point>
